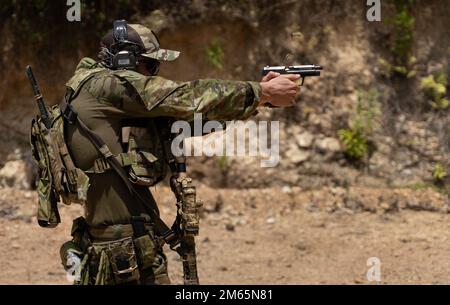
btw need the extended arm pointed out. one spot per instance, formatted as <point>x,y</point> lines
<point>214,99</point>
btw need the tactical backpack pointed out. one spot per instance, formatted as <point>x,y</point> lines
<point>58,176</point>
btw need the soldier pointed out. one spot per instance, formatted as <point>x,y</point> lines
<point>120,99</point>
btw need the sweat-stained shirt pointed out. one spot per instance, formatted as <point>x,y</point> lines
<point>104,99</point>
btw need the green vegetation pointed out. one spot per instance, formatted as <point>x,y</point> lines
<point>403,38</point>
<point>424,186</point>
<point>404,24</point>
<point>224,163</point>
<point>355,138</point>
<point>214,54</point>
<point>435,88</point>
<point>406,70</point>
<point>355,142</point>
<point>439,172</point>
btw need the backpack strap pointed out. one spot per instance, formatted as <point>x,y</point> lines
<point>161,228</point>
<point>125,159</point>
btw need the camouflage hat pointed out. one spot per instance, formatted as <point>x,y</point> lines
<point>151,44</point>
<point>147,40</point>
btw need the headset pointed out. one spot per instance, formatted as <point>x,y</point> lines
<point>124,52</point>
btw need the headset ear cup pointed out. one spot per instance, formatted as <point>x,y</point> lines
<point>133,61</point>
<point>124,60</point>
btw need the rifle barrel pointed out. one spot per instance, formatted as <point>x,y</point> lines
<point>39,99</point>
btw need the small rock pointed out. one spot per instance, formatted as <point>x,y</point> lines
<point>298,156</point>
<point>301,246</point>
<point>229,227</point>
<point>286,189</point>
<point>241,222</point>
<point>305,139</point>
<point>270,220</point>
<point>329,144</point>
<point>16,173</point>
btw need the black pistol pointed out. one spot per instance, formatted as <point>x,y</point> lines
<point>39,99</point>
<point>304,71</point>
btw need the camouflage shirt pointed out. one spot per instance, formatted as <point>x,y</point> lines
<point>105,98</point>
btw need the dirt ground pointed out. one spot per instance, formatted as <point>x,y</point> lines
<point>261,237</point>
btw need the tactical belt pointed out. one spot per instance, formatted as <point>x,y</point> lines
<point>161,229</point>
<point>114,232</point>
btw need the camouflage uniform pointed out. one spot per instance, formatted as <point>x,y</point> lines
<point>106,101</point>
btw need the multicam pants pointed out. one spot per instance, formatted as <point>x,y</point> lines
<point>124,261</point>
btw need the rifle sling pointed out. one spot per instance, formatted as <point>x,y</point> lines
<point>161,228</point>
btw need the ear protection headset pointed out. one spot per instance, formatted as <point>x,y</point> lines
<point>124,52</point>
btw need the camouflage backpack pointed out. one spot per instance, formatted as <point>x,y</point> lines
<point>58,176</point>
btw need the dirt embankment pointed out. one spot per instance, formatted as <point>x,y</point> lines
<point>234,40</point>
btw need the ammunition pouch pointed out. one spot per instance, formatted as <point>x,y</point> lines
<point>143,143</point>
<point>143,167</point>
<point>122,258</point>
<point>145,250</point>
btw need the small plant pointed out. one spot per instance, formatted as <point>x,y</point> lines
<point>407,70</point>
<point>215,54</point>
<point>224,164</point>
<point>355,138</point>
<point>355,142</point>
<point>423,186</point>
<point>434,88</point>
<point>403,24</point>
<point>439,172</point>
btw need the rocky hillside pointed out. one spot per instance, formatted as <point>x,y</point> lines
<point>378,116</point>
